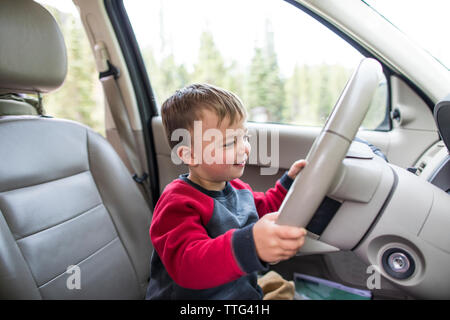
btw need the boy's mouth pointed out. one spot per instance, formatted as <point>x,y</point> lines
<point>240,164</point>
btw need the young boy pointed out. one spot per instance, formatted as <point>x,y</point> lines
<point>210,231</point>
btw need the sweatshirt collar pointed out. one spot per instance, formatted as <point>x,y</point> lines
<point>212,193</point>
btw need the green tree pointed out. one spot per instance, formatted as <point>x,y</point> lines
<point>166,76</point>
<point>312,91</point>
<point>299,95</point>
<point>325,93</point>
<point>80,97</point>
<point>234,79</point>
<point>265,87</point>
<point>210,67</point>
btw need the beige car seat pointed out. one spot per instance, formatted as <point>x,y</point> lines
<point>66,199</point>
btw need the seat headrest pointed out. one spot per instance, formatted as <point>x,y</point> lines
<point>32,49</point>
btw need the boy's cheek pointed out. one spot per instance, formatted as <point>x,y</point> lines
<point>212,154</point>
<point>223,156</point>
<point>209,153</point>
<point>229,157</point>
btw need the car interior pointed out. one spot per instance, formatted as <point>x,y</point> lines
<point>71,197</point>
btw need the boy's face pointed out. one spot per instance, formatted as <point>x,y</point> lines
<point>222,153</point>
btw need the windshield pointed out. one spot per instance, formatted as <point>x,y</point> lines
<point>424,22</point>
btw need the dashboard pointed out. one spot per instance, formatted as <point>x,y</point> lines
<point>434,165</point>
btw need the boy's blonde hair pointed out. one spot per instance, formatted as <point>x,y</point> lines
<point>185,106</point>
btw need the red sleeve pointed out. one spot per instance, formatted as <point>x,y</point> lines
<point>271,200</point>
<point>192,259</point>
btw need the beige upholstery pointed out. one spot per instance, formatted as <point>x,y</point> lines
<point>65,196</point>
<point>10,107</point>
<point>67,199</point>
<point>32,51</point>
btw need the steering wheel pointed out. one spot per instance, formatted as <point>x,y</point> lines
<point>330,147</point>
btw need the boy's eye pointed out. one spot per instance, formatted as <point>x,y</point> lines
<point>229,144</point>
<point>245,138</point>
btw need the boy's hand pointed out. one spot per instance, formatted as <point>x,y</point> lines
<point>296,167</point>
<point>275,242</point>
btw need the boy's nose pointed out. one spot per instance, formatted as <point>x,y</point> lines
<point>247,147</point>
<point>243,148</point>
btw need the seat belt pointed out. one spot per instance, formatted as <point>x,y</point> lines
<point>108,75</point>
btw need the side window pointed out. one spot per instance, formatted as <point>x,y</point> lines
<point>80,98</point>
<point>284,65</point>
<point>377,117</point>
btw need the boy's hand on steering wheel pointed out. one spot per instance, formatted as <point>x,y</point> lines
<point>296,167</point>
<point>275,242</point>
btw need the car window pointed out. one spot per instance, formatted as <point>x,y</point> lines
<point>80,98</point>
<point>429,33</point>
<point>284,65</point>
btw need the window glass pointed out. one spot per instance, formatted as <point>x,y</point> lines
<point>284,65</point>
<point>377,116</point>
<point>80,98</point>
<point>425,23</point>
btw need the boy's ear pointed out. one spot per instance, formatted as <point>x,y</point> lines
<point>186,155</point>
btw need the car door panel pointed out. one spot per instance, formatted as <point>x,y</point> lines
<point>294,144</point>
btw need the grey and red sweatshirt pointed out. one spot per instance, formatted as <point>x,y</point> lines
<point>203,240</point>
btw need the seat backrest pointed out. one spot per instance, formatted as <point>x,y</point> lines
<point>10,105</point>
<point>73,224</point>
